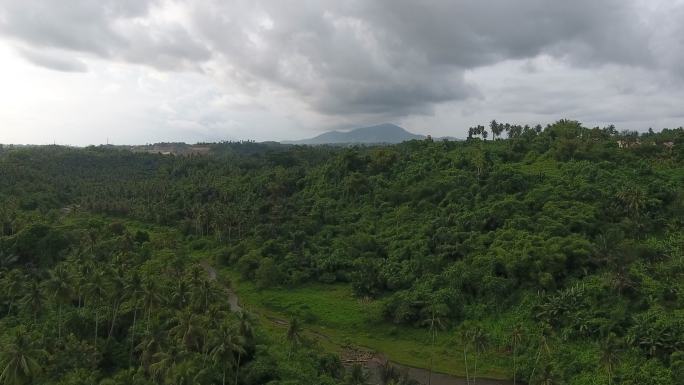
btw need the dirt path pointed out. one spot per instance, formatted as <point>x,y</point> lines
<point>233,299</point>
<point>372,361</point>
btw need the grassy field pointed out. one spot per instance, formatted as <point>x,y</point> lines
<point>337,320</point>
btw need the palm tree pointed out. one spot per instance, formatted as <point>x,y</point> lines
<point>480,341</point>
<point>465,340</point>
<point>196,275</point>
<point>544,332</point>
<point>205,293</point>
<point>516,338</point>
<point>149,345</point>
<point>96,289</point>
<point>356,376</point>
<point>59,284</point>
<point>34,299</point>
<point>632,200</point>
<point>186,329</point>
<point>117,286</point>
<point>165,362</point>
<point>227,343</point>
<point>151,298</point>
<point>13,285</point>
<point>434,321</point>
<point>294,333</point>
<point>19,360</point>
<point>81,269</point>
<point>215,316</point>
<point>181,294</point>
<point>246,324</point>
<point>134,290</point>
<point>610,348</point>
<point>388,373</point>
<point>547,376</point>
<point>245,321</point>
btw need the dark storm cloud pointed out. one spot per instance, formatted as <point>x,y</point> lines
<point>402,57</point>
<point>383,57</point>
<point>473,33</point>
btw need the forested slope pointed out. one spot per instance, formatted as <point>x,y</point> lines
<point>561,248</point>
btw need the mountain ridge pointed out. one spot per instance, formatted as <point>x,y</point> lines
<point>381,133</point>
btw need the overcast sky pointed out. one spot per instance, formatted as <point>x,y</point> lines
<point>136,71</point>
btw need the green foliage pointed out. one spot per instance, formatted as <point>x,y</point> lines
<point>572,233</point>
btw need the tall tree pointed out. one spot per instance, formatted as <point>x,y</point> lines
<point>228,346</point>
<point>435,321</point>
<point>356,376</point>
<point>60,285</point>
<point>19,360</point>
<point>187,329</point>
<point>96,290</point>
<point>610,358</point>
<point>13,286</point>
<point>480,342</point>
<point>134,289</point>
<point>294,333</point>
<point>516,338</point>
<point>151,298</point>
<point>34,299</point>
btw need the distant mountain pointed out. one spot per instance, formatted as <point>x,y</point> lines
<point>383,133</point>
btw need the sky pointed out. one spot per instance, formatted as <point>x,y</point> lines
<point>82,72</point>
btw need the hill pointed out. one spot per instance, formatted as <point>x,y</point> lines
<point>382,133</point>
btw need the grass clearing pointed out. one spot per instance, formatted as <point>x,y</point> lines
<point>337,320</point>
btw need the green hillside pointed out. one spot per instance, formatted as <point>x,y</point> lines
<point>555,256</point>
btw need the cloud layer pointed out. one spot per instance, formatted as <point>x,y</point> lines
<point>337,62</point>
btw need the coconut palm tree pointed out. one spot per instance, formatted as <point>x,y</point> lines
<point>294,333</point>
<point>544,333</point>
<point>356,376</point>
<point>246,322</point>
<point>547,376</point>
<point>464,334</point>
<point>435,321</point>
<point>181,294</point>
<point>13,286</point>
<point>165,362</point>
<point>34,299</point>
<point>388,373</point>
<point>610,348</point>
<point>632,200</point>
<point>186,329</point>
<point>150,344</point>
<point>19,360</point>
<point>516,338</point>
<point>480,341</point>
<point>204,293</point>
<point>150,298</point>
<point>59,284</point>
<point>133,292</point>
<point>81,267</point>
<point>116,291</point>
<point>96,289</point>
<point>227,344</point>
<point>196,275</point>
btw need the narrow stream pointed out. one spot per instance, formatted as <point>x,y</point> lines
<point>373,365</point>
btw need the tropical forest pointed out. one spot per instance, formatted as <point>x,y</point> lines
<point>520,255</point>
